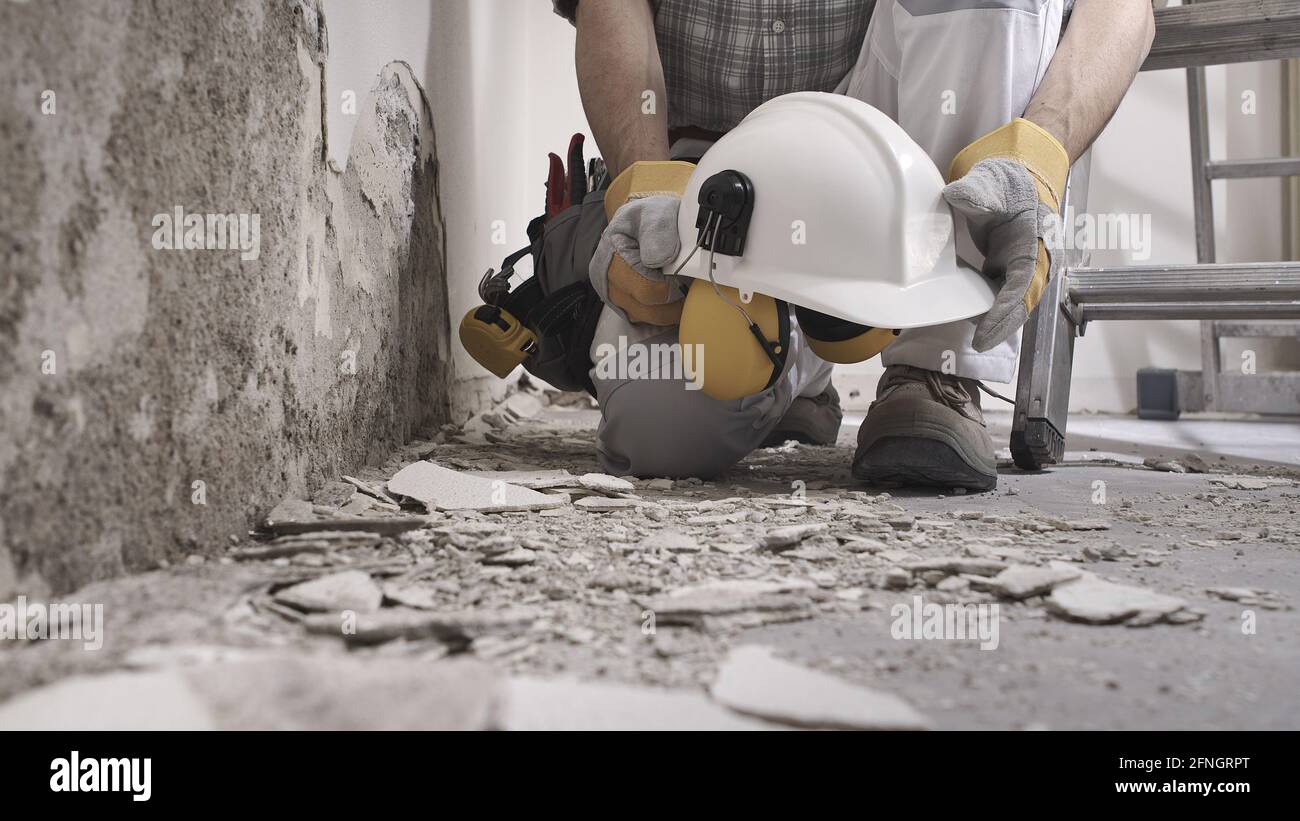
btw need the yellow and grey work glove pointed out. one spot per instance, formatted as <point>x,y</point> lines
<point>1008,185</point>
<point>641,238</point>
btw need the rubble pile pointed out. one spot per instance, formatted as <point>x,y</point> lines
<point>501,541</point>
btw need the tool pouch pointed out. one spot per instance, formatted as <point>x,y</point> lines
<point>547,322</point>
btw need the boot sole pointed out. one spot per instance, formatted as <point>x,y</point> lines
<point>911,445</point>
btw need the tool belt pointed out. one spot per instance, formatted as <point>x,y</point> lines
<point>547,322</point>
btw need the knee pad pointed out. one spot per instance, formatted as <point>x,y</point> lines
<point>840,341</point>
<point>738,348</point>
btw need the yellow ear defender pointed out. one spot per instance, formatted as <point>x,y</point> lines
<point>840,341</point>
<point>738,348</point>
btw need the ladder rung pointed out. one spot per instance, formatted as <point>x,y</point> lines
<point>1247,169</point>
<point>1189,310</point>
<point>1208,283</point>
<point>1225,31</point>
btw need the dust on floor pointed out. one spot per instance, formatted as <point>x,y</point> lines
<point>495,564</point>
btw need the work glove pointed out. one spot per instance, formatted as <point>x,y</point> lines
<point>1008,185</point>
<point>641,238</point>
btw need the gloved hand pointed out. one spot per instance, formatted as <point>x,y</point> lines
<point>641,238</point>
<point>1008,185</point>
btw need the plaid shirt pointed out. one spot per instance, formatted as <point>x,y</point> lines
<point>723,58</point>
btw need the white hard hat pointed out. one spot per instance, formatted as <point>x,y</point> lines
<point>847,217</point>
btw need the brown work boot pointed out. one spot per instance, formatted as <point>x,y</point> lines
<point>812,420</point>
<point>925,428</point>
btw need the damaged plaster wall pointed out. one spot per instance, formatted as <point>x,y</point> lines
<point>154,402</point>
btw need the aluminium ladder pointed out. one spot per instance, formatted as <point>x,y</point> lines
<point>1191,37</point>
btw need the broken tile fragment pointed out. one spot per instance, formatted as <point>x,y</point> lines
<point>732,603</point>
<point>349,590</point>
<point>370,490</point>
<point>753,681</point>
<point>604,504</point>
<point>673,541</point>
<point>957,564</point>
<point>1241,483</point>
<point>784,537</point>
<point>810,553</point>
<point>1025,581</point>
<point>517,557</point>
<point>533,479</point>
<point>604,483</point>
<point>1096,601</point>
<point>439,488</point>
<point>310,542</point>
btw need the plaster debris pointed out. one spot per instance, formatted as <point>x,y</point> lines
<point>371,490</point>
<point>784,537</point>
<point>1187,463</point>
<point>1247,595</point>
<point>319,541</point>
<point>957,564</point>
<point>512,558</point>
<point>1095,601</point>
<point>603,504</point>
<point>602,483</point>
<point>532,479</point>
<point>439,488</point>
<point>1023,581</point>
<point>1245,482</point>
<point>349,590</point>
<point>753,681</point>
<point>809,553</point>
<point>674,541</point>
<point>722,605</point>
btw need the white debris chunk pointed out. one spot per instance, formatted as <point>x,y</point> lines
<point>1022,581</point>
<point>349,590</point>
<point>604,483</point>
<point>671,540</point>
<point>534,479</point>
<point>439,488</point>
<point>783,537</point>
<point>1095,601</point>
<point>602,504</point>
<point>1246,482</point>
<point>754,682</point>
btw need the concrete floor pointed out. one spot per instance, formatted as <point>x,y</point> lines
<point>589,576</point>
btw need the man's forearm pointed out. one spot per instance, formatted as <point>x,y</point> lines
<point>1104,45</point>
<point>618,62</point>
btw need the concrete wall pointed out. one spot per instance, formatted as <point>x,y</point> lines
<point>152,402</point>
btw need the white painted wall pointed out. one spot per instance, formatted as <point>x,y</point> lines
<point>500,79</point>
